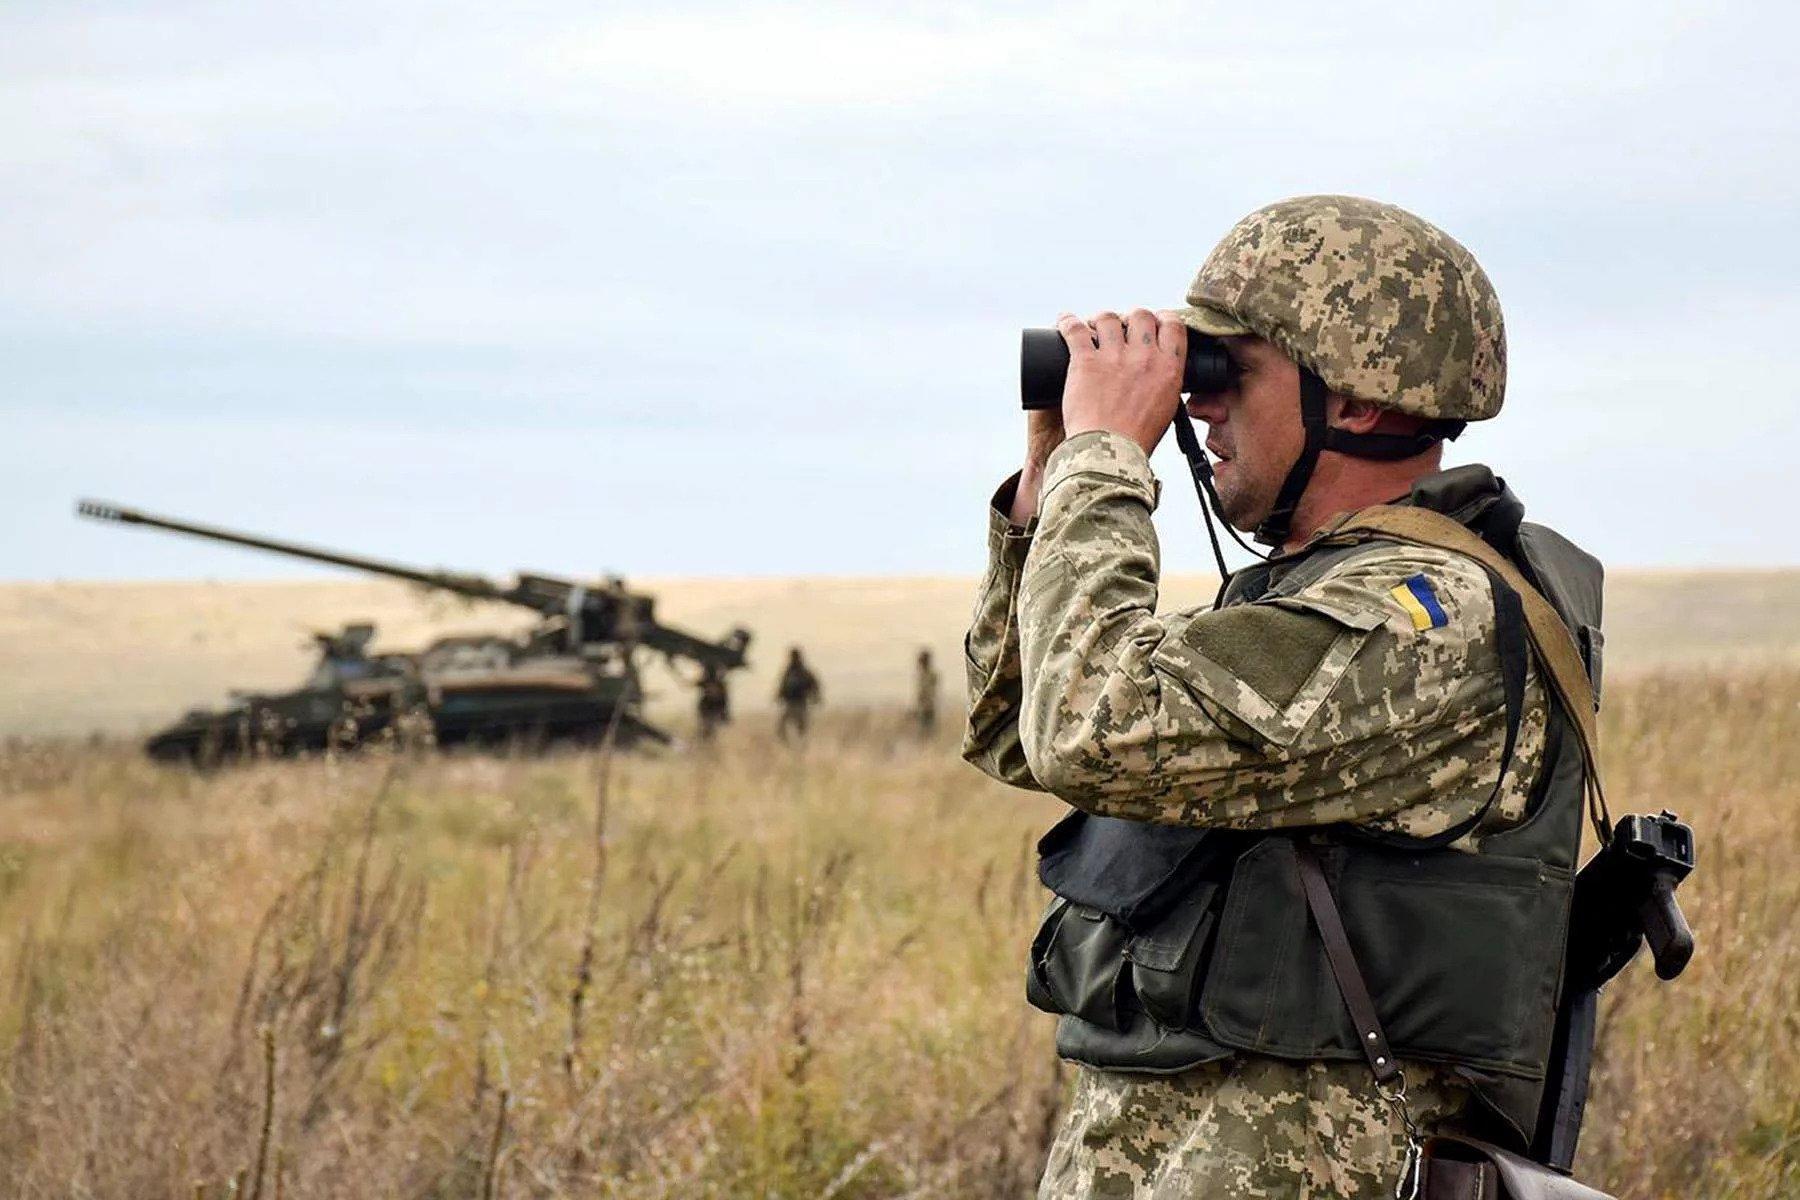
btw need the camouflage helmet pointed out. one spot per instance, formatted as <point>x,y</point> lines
<point>1381,305</point>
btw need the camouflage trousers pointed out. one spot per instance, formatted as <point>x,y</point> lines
<point>1246,1127</point>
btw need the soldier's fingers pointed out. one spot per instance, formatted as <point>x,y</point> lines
<point>1108,329</point>
<point>1171,334</point>
<point>1078,333</point>
<point>1141,327</point>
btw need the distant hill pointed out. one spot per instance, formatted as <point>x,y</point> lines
<point>121,657</point>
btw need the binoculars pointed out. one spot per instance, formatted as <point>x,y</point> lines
<point>1044,365</point>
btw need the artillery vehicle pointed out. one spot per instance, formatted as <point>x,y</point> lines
<point>573,675</point>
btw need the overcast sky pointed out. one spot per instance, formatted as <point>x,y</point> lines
<point>736,290</point>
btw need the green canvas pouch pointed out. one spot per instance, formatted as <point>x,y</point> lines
<point>1078,965</point>
<point>1167,961</point>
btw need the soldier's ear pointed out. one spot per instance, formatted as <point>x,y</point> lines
<point>1350,414</point>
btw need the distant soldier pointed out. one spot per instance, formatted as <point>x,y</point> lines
<point>797,693</point>
<point>715,702</point>
<point>925,690</point>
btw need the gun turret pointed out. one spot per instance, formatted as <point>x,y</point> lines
<point>604,613</point>
<point>350,642</point>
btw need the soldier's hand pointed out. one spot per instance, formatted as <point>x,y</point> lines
<point>1124,374</point>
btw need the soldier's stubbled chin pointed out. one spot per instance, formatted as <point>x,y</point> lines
<point>1236,495</point>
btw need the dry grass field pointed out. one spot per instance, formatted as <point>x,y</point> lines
<point>750,973</point>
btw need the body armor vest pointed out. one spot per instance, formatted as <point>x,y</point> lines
<point>1169,947</point>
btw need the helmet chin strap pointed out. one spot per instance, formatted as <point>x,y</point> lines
<point>1210,506</point>
<point>1275,528</point>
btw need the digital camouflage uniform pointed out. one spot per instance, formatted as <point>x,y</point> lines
<point>1336,704</point>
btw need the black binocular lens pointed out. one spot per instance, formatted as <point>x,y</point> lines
<point>1044,364</point>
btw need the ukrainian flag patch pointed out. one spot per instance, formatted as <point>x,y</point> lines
<point>1420,603</point>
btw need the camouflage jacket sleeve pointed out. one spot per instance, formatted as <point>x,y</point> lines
<point>991,651</point>
<point>1334,704</point>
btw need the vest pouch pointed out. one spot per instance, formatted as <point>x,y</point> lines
<point>1168,959</point>
<point>1078,965</point>
<point>1462,953</point>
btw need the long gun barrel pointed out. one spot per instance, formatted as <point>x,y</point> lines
<point>468,585</point>
<point>596,613</point>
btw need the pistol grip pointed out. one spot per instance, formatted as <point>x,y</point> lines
<point>1666,929</point>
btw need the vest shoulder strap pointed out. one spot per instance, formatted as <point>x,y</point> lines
<point>1551,639</point>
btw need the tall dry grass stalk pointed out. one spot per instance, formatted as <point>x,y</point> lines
<point>795,973</point>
